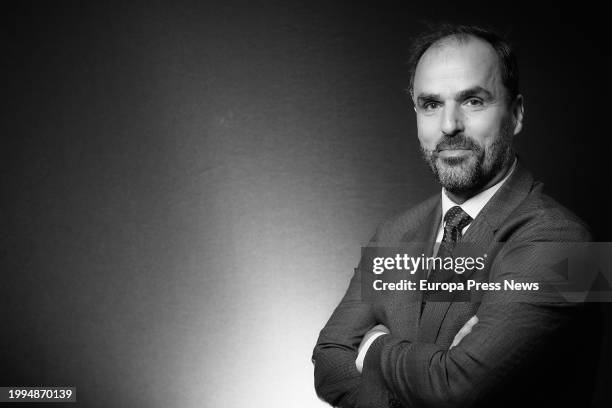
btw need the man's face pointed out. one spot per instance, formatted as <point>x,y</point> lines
<point>464,119</point>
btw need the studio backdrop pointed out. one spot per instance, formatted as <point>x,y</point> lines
<point>186,185</point>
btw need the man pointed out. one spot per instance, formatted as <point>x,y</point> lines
<point>407,350</point>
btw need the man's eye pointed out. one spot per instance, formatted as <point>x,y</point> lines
<point>474,102</point>
<point>431,106</point>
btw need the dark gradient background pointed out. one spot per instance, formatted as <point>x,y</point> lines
<point>185,187</point>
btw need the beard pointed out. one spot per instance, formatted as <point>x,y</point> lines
<point>474,170</point>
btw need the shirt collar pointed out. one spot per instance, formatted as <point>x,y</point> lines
<point>475,204</point>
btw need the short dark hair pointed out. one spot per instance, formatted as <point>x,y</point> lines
<point>508,64</point>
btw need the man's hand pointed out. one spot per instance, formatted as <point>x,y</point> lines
<point>465,330</point>
<point>368,339</point>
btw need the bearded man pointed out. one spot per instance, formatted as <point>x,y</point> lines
<point>408,350</point>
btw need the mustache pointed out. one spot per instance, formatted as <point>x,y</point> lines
<point>456,142</point>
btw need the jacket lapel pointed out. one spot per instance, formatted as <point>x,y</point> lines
<point>408,304</point>
<point>480,235</point>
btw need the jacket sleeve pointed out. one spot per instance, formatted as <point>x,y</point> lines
<point>337,380</point>
<point>427,375</point>
<point>510,333</point>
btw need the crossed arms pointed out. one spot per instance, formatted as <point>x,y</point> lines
<point>507,337</point>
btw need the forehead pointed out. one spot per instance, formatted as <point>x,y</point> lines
<point>451,66</point>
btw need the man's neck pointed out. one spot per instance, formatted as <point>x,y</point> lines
<point>462,196</point>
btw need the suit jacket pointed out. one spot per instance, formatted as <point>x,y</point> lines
<point>520,353</point>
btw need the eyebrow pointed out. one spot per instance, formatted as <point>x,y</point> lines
<point>476,90</point>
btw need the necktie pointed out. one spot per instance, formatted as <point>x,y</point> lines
<point>455,220</point>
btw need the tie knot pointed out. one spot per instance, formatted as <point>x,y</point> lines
<point>456,218</point>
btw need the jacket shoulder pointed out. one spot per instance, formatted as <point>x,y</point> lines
<point>542,218</point>
<point>405,222</point>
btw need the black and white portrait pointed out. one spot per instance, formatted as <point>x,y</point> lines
<point>190,190</point>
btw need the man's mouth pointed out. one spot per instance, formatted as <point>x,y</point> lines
<point>453,152</point>
<point>453,147</point>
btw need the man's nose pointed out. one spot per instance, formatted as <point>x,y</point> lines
<point>452,120</point>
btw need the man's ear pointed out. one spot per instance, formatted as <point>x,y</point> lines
<point>518,112</point>
<point>411,95</point>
